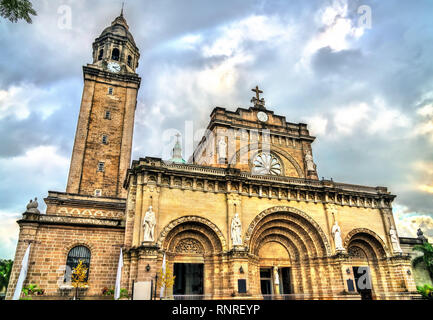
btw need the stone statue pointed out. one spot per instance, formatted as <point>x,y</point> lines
<point>276,276</point>
<point>394,240</point>
<point>222,148</point>
<point>236,230</point>
<point>309,161</point>
<point>421,236</point>
<point>336,232</point>
<point>32,207</point>
<point>149,226</point>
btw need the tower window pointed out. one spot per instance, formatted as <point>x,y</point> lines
<point>110,91</point>
<point>101,167</point>
<point>107,115</point>
<point>105,139</point>
<point>130,61</point>
<point>98,193</point>
<point>115,55</point>
<point>101,54</point>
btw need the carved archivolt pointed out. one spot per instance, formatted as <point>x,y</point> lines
<point>321,237</point>
<point>197,220</point>
<point>370,237</point>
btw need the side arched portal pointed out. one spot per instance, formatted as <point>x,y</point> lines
<point>193,247</point>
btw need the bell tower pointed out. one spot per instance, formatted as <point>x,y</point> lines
<point>103,140</point>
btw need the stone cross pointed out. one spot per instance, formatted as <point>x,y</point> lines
<point>258,92</point>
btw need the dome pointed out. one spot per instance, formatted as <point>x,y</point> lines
<point>119,27</point>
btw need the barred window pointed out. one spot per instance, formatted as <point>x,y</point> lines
<point>74,256</point>
<point>110,91</point>
<point>104,139</point>
<point>107,115</point>
<point>101,166</point>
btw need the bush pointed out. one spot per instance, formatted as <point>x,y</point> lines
<point>426,291</point>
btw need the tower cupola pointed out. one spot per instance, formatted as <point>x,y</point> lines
<point>115,49</point>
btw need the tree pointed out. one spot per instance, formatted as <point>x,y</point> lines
<point>166,280</point>
<point>15,10</point>
<point>79,277</point>
<point>5,273</point>
<point>427,257</point>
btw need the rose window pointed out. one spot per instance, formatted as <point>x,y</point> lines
<point>266,164</point>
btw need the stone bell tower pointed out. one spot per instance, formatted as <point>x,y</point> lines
<point>103,140</point>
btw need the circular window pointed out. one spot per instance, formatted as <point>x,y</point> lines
<point>266,163</point>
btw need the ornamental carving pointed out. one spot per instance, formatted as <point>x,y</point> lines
<point>196,219</point>
<point>190,246</point>
<point>357,253</point>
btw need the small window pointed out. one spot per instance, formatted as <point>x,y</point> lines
<point>115,54</point>
<point>101,166</point>
<point>98,193</point>
<point>107,115</point>
<point>101,54</point>
<point>105,139</point>
<point>130,61</point>
<point>77,254</point>
<point>110,91</point>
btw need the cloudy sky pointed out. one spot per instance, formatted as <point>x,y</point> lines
<point>364,86</point>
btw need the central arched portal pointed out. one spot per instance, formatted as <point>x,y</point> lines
<point>290,250</point>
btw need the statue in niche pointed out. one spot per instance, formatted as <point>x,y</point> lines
<point>309,161</point>
<point>336,233</point>
<point>222,148</point>
<point>149,226</point>
<point>236,230</point>
<point>394,240</point>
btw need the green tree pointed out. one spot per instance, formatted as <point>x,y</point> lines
<point>5,273</point>
<point>15,10</point>
<point>427,257</point>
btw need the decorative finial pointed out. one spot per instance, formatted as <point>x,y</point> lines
<point>123,5</point>
<point>421,236</point>
<point>32,207</point>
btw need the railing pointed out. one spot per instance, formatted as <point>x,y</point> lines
<point>192,297</point>
<point>375,296</point>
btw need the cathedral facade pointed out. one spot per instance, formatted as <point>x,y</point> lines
<point>246,217</point>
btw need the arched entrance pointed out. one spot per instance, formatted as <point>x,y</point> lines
<point>366,250</point>
<point>192,246</point>
<point>291,251</point>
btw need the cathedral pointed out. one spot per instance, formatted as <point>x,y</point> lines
<point>246,217</point>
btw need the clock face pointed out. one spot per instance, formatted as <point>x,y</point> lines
<point>263,117</point>
<point>114,67</point>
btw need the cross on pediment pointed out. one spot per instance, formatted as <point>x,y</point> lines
<point>258,92</point>
<point>260,103</point>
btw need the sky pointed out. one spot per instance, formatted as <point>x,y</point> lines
<point>358,72</point>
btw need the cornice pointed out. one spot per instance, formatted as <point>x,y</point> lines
<point>316,191</point>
